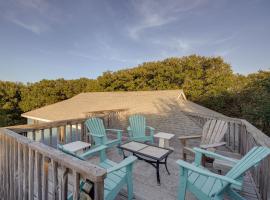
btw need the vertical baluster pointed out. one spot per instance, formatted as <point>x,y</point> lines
<point>1,165</point>
<point>20,170</point>
<point>8,167</point>
<point>25,172</point>
<point>76,183</point>
<point>16,169</point>
<point>42,136</point>
<point>11,169</point>
<point>55,192</point>
<point>64,183</point>
<point>45,178</point>
<point>34,135</point>
<point>82,132</point>
<point>240,142</point>
<point>38,175</point>
<point>51,135</point>
<point>4,190</point>
<point>31,174</point>
<point>70,133</point>
<point>63,134</point>
<point>77,132</point>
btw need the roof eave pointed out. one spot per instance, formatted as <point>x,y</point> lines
<point>35,118</point>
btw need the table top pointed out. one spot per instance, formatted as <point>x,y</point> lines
<point>164,135</point>
<point>147,150</point>
<point>76,146</point>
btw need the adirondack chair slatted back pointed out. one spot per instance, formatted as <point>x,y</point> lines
<point>253,157</point>
<point>137,125</point>
<point>213,131</point>
<point>97,129</point>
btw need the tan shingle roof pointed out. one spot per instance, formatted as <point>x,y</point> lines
<point>148,102</point>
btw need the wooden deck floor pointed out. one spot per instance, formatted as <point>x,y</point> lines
<point>145,184</point>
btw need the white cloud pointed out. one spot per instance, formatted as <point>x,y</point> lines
<point>36,16</point>
<point>38,5</point>
<point>154,13</point>
<point>36,28</point>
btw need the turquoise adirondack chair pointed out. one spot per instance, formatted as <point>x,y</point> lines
<point>118,174</point>
<point>98,133</point>
<point>208,185</point>
<point>137,129</point>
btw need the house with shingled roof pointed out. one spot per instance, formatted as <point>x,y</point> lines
<point>163,109</point>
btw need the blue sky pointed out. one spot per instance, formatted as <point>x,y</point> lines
<point>83,38</point>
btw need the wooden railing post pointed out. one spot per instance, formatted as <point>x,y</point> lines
<point>99,188</point>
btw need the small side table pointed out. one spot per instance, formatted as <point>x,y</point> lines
<point>77,147</point>
<point>164,139</point>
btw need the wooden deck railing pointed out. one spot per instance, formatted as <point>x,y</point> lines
<point>64,131</point>
<point>23,158</point>
<point>240,138</point>
<point>27,167</point>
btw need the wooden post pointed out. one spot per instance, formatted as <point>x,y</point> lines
<point>25,172</point>
<point>31,174</point>
<point>45,178</point>
<point>76,183</point>
<point>34,135</point>
<point>16,170</point>
<point>38,175</point>
<point>70,133</point>
<point>42,135</point>
<point>20,171</point>
<point>99,190</point>
<point>55,192</point>
<point>77,132</point>
<point>11,169</point>
<point>64,183</point>
<point>63,134</point>
<point>83,132</point>
<point>50,139</point>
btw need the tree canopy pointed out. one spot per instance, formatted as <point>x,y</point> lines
<point>208,81</point>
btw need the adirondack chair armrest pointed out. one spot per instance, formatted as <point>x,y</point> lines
<point>213,155</point>
<point>207,146</point>
<point>60,147</point>
<point>118,131</point>
<point>189,137</point>
<point>128,161</point>
<point>92,152</point>
<point>204,172</point>
<point>151,130</point>
<point>184,138</point>
<point>114,130</point>
<point>96,135</point>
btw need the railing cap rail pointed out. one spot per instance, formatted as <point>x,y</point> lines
<point>45,125</point>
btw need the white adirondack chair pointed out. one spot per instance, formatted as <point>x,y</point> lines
<point>212,135</point>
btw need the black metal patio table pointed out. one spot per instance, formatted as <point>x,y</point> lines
<point>154,155</point>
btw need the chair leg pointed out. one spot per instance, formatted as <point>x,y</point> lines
<point>184,156</point>
<point>120,151</point>
<point>129,184</point>
<point>234,195</point>
<point>182,185</point>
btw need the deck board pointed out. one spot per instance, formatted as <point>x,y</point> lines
<point>145,184</point>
